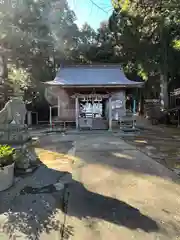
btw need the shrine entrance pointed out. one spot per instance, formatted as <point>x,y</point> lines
<point>92,111</point>
<point>91,96</point>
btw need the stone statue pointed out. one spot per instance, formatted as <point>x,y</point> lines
<point>14,111</point>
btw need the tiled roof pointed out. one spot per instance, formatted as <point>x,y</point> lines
<point>92,75</point>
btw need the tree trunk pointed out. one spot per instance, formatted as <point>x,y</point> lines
<point>141,103</point>
<point>164,91</point>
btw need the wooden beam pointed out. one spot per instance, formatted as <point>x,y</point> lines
<point>77,112</point>
<point>59,103</point>
<point>90,96</point>
<point>110,114</point>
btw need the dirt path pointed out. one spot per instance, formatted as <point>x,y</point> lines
<point>162,144</point>
<point>32,208</point>
<point>119,192</point>
<point>116,192</point>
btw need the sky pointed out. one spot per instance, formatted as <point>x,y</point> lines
<point>86,11</point>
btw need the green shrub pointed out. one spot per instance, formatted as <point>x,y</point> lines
<point>6,155</point>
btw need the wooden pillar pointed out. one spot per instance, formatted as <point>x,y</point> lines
<point>134,106</point>
<point>178,112</point>
<point>58,106</point>
<point>37,118</point>
<point>77,112</point>
<point>50,116</point>
<point>110,113</point>
<point>29,118</point>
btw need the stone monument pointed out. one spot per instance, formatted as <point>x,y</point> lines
<point>14,132</point>
<point>12,118</point>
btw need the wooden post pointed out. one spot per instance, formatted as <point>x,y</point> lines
<point>29,118</point>
<point>110,113</point>
<point>178,118</point>
<point>77,112</point>
<point>37,121</point>
<point>50,117</point>
<point>134,106</point>
<point>58,106</point>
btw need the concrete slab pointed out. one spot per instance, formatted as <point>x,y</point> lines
<point>101,143</point>
<point>32,208</point>
<point>119,192</point>
<point>116,192</point>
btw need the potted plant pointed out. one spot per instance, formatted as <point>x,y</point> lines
<point>6,166</point>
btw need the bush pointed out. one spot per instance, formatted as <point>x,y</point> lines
<point>6,155</point>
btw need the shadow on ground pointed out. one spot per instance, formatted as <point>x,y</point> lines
<point>94,205</point>
<point>35,210</point>
<point>34,206</point>
<point>163,147</point>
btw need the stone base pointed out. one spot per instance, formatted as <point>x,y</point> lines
<point>13,134</point>
<point>25,155</point>
<point>130,129</point>
<point>21,171</point>
<point>18,137</point>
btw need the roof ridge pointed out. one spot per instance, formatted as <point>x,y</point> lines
<point>91,66</point>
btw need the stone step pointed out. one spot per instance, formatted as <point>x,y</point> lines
<point>129,129</point>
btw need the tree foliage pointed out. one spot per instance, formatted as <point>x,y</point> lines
<point>141,35</point>
<point>149,34</point>
<point>35,37</point>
